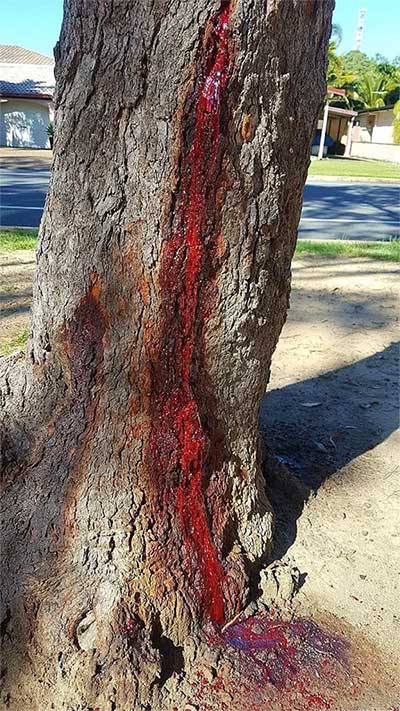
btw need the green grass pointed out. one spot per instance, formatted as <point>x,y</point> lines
<point>387,251</point>
<point>18,239</point>
<point>14,344</point>
<point>353,168</point>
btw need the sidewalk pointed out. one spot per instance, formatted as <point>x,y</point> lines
<point>33,159</point>
<point>351,179</point>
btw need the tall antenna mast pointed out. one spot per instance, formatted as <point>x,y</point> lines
<point>360,29</point>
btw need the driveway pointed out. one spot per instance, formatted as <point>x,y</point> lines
<point>331,210</point>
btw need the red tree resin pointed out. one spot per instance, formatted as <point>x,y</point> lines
<point>177,440</point>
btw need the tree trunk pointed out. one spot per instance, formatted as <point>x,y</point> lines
<point>134,506</point>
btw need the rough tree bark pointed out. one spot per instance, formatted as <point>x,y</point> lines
<point>134,510</point>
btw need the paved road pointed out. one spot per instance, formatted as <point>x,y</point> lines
<point>22,195</point>
<point>334,210</point>
<point>360,211</point>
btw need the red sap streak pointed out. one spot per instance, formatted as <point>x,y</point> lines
<point>176,423</point>
<point>190,503</point>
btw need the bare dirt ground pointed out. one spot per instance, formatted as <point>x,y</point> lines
<point>16,274</point>
<point>330,416</point>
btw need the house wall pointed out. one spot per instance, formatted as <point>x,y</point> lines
<point>23,123</point>
<point>377,151</point>
<point>376,127</point>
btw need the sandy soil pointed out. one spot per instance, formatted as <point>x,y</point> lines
<point>16,274</point>
<point>330,416</point>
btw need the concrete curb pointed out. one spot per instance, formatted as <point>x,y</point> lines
<point>338,240</point>
<point>353,179</point>
<point>11,228</point>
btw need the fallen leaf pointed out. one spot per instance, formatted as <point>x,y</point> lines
<point>367,405</point>
<point>320,446</point>
<point>339,434</point>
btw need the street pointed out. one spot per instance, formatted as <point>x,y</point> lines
<point>331,210</point>
<point>350,210</point>
<point>22,196</point>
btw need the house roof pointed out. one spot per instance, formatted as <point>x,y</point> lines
<point>25,74</point>
<point>11,54</point>
<point>379,108</point>
<point>341,112</point>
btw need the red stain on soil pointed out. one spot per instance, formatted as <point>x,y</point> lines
<point>177,440</point>
<point>288,654</point>
<point>276,664</point>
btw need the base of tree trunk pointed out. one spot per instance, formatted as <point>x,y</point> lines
<point>262,660</point>
<point>274,655</point>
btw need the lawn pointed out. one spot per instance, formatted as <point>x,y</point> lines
<point>21,240</point>
<point>14,344</point>
<point>17,239</point>
<point>387,251</point>
<point>354,168</point>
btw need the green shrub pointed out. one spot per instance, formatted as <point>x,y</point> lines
<point>396,123</point>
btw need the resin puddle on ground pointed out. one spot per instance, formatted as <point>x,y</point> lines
<point>299,665</point>
<point>279,665</point>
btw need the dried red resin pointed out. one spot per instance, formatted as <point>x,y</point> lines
<point>276,664</point>
<point>290,655</point>
<point>177,441</point>
<point>84,339</point>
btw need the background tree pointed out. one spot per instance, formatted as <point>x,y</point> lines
<point>358,63</point>
<point>134,512</point>
<point>391,70</point>
<point>396,123</point>
<point>371,90</point>
<point>336,35</point>
<point>369,82</point>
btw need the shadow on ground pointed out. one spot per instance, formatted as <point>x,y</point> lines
<point>314,441</point>
<point>354,202</point>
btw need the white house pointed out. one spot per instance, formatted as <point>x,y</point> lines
<point>372,135</point>
<point>376,125</point>
<point>26,97</point>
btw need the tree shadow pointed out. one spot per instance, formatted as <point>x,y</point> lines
<point>352,212</point>
<point>357,411</point>
<point>355,201</point>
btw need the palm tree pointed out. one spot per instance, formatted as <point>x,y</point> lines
<point>396,123</point>
<point>336,35</point>
<point>336,74</point>
<point>371,90</point>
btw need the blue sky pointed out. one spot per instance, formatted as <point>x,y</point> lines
<point>35,24</point>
